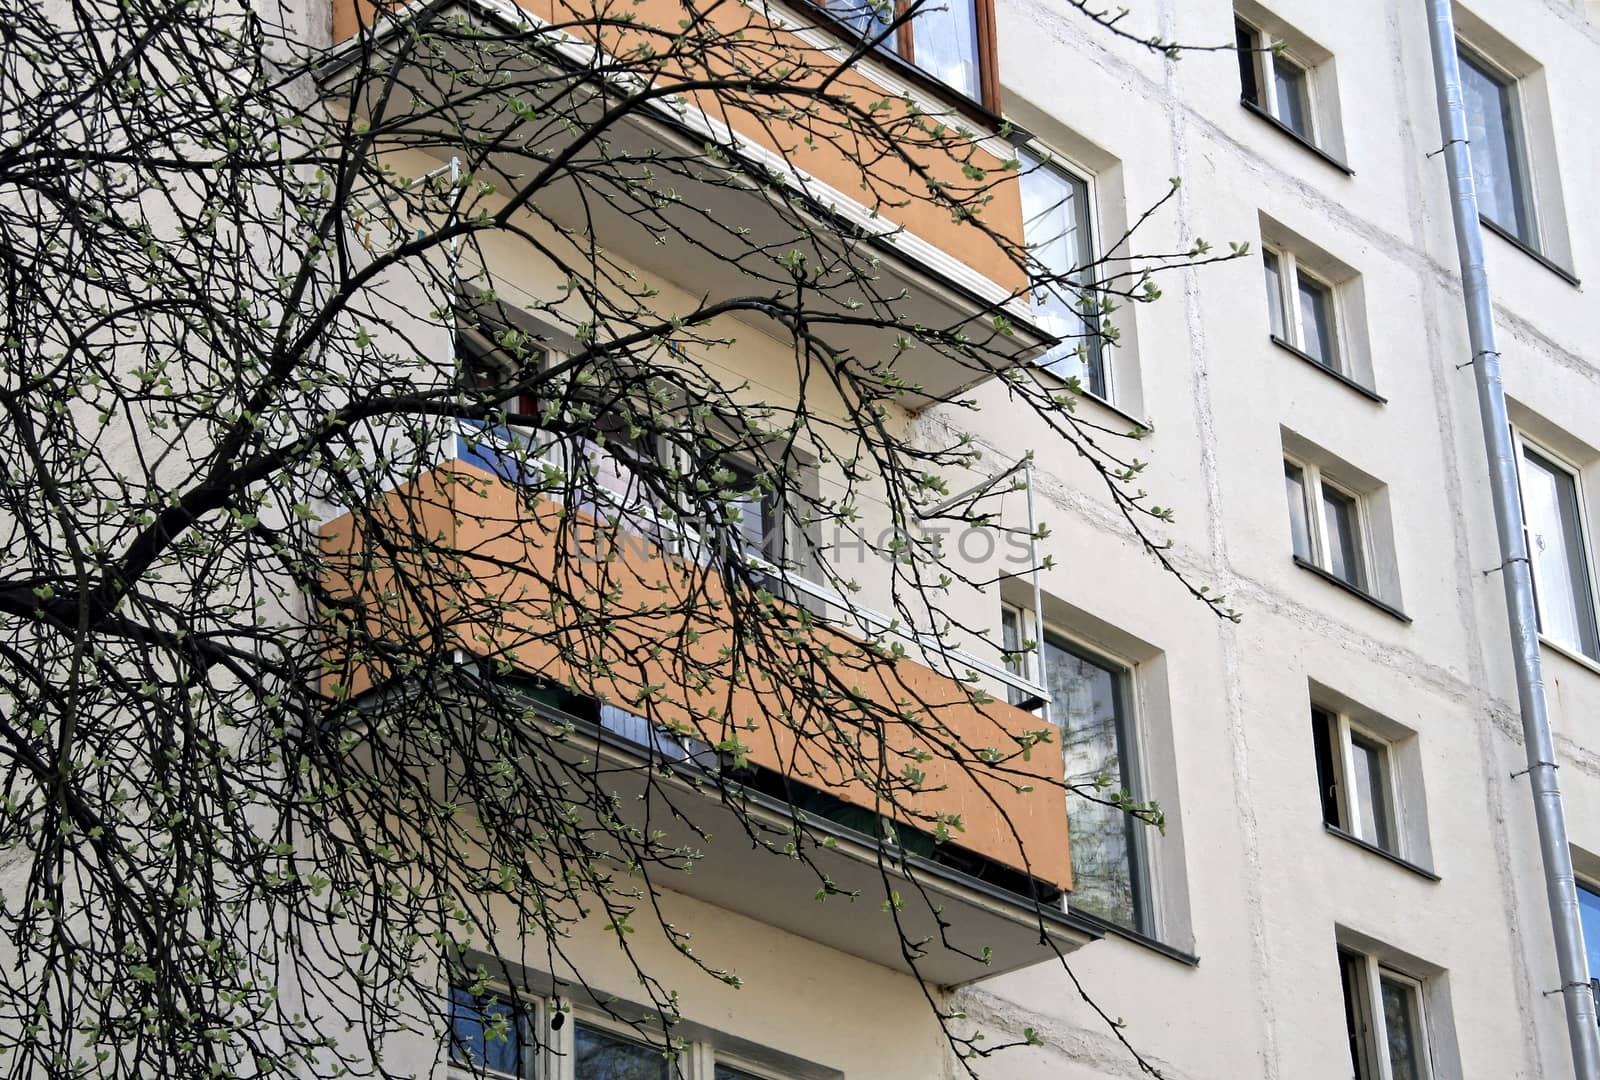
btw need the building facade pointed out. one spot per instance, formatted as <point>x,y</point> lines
<point>1348,882</point>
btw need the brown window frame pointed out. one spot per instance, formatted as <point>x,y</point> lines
<point>903,58</point>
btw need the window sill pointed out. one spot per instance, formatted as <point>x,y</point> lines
<point>1365,845</point>
<point>1251,107</point>
<point>1532,252</point>
<point>1366,392</point>
<point>1139,426</point>
<point>1111,929</point>
<point>1386,608</point>
<point>1571,654</point>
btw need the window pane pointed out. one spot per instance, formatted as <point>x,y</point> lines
<point>1344,537</point>
<point>1560,564</point>
<point>1497,161</point>
<point>1294,109</point>
<point>1372,796</point>
<point>1011,638</point>
<point>636,729</point>
<point>486,1033</point>
<point>1055,224</point>
<point>1086,703</point>
<point>758,525</point>
<point>944,37</point>
<point>869,18</point>
<point>1275,319</point>
<point>1402,1031</point>
<point>1589,912</point>
<point>613,461</point>
<point>1356,1024</point>
<point>599,1055</point>
<point>1316,323</point>
<point>725,1072</point>
<point>1294,479</point>
<point>1327,769</point>
<point>1246,41</point>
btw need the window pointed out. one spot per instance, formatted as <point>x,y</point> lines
<point>1089,703</point>
<point>602,465</point>
<point>952,40</point>
<point>760,524</point>
<point>488,1032</point>
<point>485,1034</point>
<point>601,1055</point>
<point>1499,154</point>
<point>492,365</point>
<point>1300,309</point>
<point>1326,524</point>
<point>1589,916</point>
<point>1056,227</point>
<point>1384,1020</point>
<point>1355,777</point>
<point>1555,524</point>
<point>1273,82</point>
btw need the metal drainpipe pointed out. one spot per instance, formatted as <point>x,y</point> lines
<point>1516,572</point>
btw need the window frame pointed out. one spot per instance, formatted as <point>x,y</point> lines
<point>1591,943</point>
<point>1263,60</point>
<point>1130,746</point>
<point>1046,157</point>
<point>775,538</point>
<point>1313,480</point>
<point>476,351</point>
<point>1343,736</point>
<point>1290,272</point>
<point>1372,1043</point>
<point>1522,163</point>
<point>563,1044</point>
<point>901,47</point>
<point>552,1053</point>
<point>537,1018</point>
<point>1521,445</point>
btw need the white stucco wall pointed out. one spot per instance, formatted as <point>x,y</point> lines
<point>1249,880</point>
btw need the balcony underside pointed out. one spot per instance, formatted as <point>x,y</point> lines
<point>722,231</point>
<point>986,930</point>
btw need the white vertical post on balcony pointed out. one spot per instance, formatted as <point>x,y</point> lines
<point>1040,675</point>
<point>986,486</point>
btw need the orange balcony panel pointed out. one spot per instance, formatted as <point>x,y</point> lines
<point>490,548</point>
<point>829,157</point>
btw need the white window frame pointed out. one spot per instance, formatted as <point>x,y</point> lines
<point>1343,731</point>
<point>535,1058</point>
<point>1314,479</point>
<point>554,1058</point>
<point>1376,1050</point>
<point>1146,886</point>
<point>563,1044</point>
<point>1267,84</point>
<point>781,535</point>
<point>1290,272</point>
<point>1466,50</point>
<point>1049,157</point>
<point>1585,539</point>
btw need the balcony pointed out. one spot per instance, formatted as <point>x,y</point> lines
<point>704,216</point>
<point>985,900</point>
